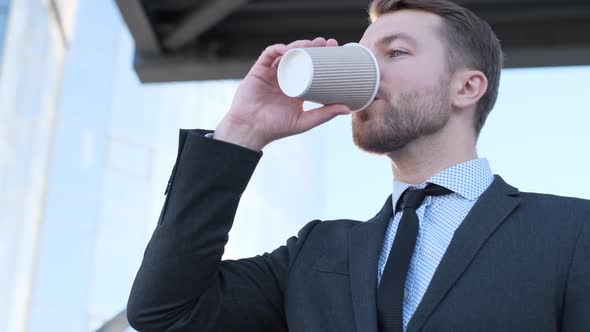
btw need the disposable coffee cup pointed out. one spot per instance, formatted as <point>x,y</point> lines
<point>346,75</point>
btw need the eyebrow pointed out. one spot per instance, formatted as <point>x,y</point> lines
<point>385,41</point>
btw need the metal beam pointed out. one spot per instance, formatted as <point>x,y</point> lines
<point>272,7</point>
<point>548,57</point>
<point>187,68</point>
<point>200,20</point>
<point>532,13</point>
<point>140,26</point>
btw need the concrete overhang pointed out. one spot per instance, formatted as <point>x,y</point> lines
<point>185,40</point>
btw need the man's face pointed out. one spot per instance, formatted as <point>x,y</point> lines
<point>413,98</point>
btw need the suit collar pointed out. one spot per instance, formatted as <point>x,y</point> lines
<point>490,210</point>
<point>468,179</point>
<point>365,242</point>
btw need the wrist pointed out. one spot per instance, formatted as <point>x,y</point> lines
<point>239,135</point>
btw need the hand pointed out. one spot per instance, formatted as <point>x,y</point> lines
<point>261,113</point>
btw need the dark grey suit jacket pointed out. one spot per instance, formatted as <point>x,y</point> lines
<point>518,262</point>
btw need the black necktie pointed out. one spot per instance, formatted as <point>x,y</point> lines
<point>390,295</point>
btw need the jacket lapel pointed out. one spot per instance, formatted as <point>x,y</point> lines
<point>365,243</point>
<point>490,210</point>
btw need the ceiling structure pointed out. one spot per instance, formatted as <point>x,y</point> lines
<point>182,40</point>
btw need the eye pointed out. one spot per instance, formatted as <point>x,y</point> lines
<point>396,53</point>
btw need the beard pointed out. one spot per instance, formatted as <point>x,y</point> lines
<point>382,129</point>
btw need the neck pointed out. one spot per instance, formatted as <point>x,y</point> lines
<point>429,155</point>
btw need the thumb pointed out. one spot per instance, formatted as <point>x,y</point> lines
<point>317,116</point>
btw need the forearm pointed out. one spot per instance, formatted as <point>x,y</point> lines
<point>182,258</point>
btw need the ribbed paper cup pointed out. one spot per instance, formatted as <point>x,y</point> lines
<point>346,75</point>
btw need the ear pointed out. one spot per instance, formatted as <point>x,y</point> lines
<point>468,88</point>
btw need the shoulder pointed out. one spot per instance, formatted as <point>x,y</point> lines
<point>318,231</point>
<point>318,235</point>
<point>559,217</point>
<point>554,203</point>
<point>329,229</point>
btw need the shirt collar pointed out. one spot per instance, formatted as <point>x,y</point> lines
<point>468,179</point>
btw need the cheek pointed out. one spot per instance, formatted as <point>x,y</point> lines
<point>409,75</point>
<point>397,78</point>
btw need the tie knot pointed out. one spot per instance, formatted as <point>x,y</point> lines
<point>413,198</point>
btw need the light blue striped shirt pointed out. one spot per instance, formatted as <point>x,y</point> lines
<point>439,217</point>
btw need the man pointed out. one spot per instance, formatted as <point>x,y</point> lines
<point>454,248</point>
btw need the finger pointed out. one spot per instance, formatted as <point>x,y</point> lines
<point>318,42</point>
<point>275,64</point>
<point>297,42</point>
<point>271,53</point>
<point>315,117</point>
<point>331,42</point>
<point>300,44</point>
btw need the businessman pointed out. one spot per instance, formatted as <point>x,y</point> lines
<point>454,248</point>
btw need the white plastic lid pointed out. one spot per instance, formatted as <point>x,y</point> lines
<point>295,73</point>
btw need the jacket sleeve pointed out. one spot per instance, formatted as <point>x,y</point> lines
<point>182,283</point>
<point>576,310</point>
